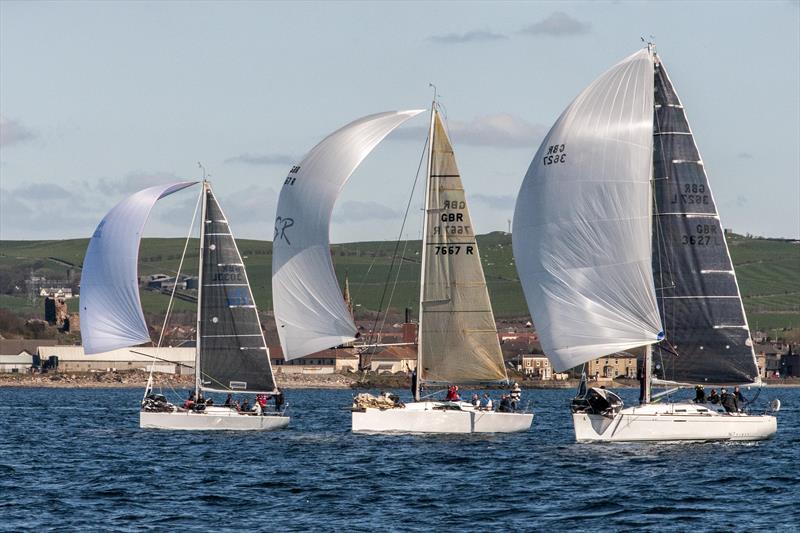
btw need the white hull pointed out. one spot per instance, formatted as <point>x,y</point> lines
<point>422,417</point>
<point>672,422</point>
<point>213,419</point>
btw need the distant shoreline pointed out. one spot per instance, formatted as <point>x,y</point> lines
<point>350,381</point>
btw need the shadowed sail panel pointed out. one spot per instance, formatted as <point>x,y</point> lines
<point>458,335</point>
<point>309,309</point>
<point>582,222</point>
<point>110,308</point>
<point>232,352</point>
<point>698,295</point>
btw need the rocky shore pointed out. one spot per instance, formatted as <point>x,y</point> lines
<point>351,380</point>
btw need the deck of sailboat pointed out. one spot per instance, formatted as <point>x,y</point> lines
<point>213,418</point>
<point>439,417</point>
<point>673,422</point>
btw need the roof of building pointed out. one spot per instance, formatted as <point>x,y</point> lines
<point>136,354</point>
<point>17,346</point>
<point>23,358</point>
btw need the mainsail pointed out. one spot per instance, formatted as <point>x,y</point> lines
<point>458,336</point>
<point>232,352</point>
<point>110,308</point>
<point>582,222</point>
<point>309,309</point>
<point>698,296</point>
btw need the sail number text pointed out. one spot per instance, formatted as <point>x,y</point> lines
<point>453,223</point>
<point>555,154</point>
<point>453,249</point>
<point>705,235</point>
<point>692,194</point>
<point>290,179</point>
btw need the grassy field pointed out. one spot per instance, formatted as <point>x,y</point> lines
<point>768,273</point>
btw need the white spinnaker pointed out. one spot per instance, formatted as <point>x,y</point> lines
<point>110,308</point>
<point>309,308</point>
<point>582,222</point>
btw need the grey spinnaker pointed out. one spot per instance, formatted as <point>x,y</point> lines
<point>232,352</point>
<point>707,336</point>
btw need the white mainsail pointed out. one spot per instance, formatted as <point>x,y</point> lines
<point>110,308</point>
<point>458,335</point>
<point>582,222</point>
<point>309,309</point>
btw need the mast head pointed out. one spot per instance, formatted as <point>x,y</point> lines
<point>651,45</point>
<point>205,175</point>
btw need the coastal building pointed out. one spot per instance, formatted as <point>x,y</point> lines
<point>324,362</point>
<point>167,360</point>
<point>393,359</point>
<point>22,363</point>
<point>612,366</point>
<point>536,367</point>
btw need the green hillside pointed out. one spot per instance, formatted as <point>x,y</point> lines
<point>768,272</point>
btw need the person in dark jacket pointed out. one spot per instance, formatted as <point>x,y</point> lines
<point>279,401</point>
<point>728,401</point>
<point>740,399</point>
<point>699,394</point>
<point>505,404</point>
<point>713,397</point>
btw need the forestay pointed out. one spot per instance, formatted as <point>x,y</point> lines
<point>698,295</point>
<point>233,354</point>
<point>583,218</point>
<point>458,336</point>
<point>111,311</point>
<point>309,309</point>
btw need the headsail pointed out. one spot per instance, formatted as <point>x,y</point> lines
<point>698,295</point>
<point>233,354</point>
<point>309,309</point>
<point>582,222</point>
<point>110,308</point>
<point>458,335</point>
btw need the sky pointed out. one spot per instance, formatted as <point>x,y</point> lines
<point>100,99</point>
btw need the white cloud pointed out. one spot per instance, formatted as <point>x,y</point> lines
<point>354,211</point>
<point>503,202</point>
<point>500,130</point>
<point>13,132</point>
<point>556,25</point>
<point>263,159</point>
<point>467,37</point>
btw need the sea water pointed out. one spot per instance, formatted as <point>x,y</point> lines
<point>73,459</point>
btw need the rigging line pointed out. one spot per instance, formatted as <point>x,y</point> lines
<point>399,237</point>
<point>359,287</point>
<point>394,287</point>
<point>661,245</point>
<point>175,286</point>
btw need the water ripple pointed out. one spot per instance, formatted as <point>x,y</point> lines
<point>76,459</point>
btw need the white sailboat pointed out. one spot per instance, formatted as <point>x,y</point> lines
<point>232,355</point>
<point>618,244</point>
<point>457,337</point>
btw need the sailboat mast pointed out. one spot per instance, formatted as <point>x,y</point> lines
<point>424,248</point>
<point>648,351</point>
<point>203,208</point>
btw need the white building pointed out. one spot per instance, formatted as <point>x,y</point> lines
<point>167,360</point>
<point>16,364</point>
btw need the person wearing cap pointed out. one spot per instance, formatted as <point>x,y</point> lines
<point>699,394</point>
<point>257,408</point>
